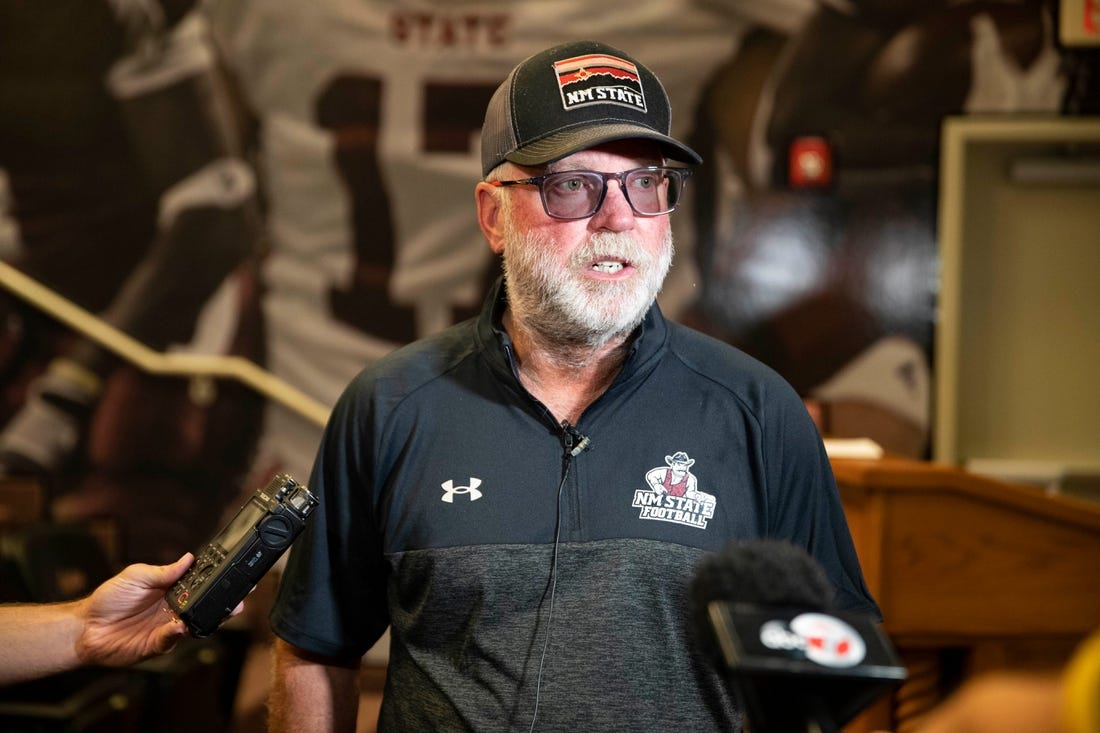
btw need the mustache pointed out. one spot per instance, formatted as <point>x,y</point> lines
<point>611,245</point>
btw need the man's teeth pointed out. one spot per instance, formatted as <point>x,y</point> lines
<point>607,267</point>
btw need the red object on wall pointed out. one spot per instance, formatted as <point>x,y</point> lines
<point>810,163</point>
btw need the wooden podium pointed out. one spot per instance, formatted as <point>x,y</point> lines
<point>972,575</point>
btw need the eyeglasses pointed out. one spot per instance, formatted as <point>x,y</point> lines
<point>650,191</point>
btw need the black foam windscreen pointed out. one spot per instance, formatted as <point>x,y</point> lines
<point>765,611</point>
<point>766,572</point>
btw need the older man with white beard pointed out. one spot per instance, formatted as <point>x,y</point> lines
<point>578,288</point>
<point>483,491</point>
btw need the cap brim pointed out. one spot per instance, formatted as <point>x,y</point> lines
<point>566,142</point>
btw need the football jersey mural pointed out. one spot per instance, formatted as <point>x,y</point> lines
<point>291,182</point>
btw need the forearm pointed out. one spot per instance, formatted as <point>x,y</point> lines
<point>307,694</point>
<point>38,640</point>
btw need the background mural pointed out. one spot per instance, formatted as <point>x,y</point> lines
<point>292,183</point>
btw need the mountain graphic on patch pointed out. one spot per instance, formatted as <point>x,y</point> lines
<point>599,79</point>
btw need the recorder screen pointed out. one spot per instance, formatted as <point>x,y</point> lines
<point>245,520</point>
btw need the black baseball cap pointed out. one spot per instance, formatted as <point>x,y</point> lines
<point>571,97</point>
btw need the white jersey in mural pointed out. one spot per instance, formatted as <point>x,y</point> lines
<point>370,115</point>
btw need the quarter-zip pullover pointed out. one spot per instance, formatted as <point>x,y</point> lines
<point>509,564</point>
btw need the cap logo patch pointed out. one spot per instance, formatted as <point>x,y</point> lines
<point>599,79</point>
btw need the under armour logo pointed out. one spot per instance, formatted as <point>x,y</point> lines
<point>450,490</point>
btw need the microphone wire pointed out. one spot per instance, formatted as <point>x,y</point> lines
<point>553,589</point>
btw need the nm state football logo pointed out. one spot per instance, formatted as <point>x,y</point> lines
<point>673,494</point>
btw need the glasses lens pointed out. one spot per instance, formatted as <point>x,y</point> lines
<point>653,190</point>
<point>578,194</point>
<point>572,194</point>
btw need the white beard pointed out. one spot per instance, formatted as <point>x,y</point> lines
<point>566,308</point>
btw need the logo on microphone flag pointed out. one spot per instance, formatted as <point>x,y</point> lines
<point>824,639</point>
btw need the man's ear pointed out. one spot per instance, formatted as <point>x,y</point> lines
<point>489,216</point>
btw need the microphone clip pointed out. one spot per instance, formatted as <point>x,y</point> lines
<point>574,441</point>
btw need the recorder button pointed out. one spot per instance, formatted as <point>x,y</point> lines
<point>275,532</point>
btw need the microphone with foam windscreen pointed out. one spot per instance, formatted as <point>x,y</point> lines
<point>794,662</point>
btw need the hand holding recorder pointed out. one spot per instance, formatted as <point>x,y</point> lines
<point>230,565</point>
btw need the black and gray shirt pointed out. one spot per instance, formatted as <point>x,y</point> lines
<point>453,511</point>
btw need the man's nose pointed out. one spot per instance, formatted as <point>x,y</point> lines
<point>615,213</point>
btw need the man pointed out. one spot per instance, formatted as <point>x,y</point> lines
<point>125,620</point>
<point>362,108</point>
<point>483,491</point>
